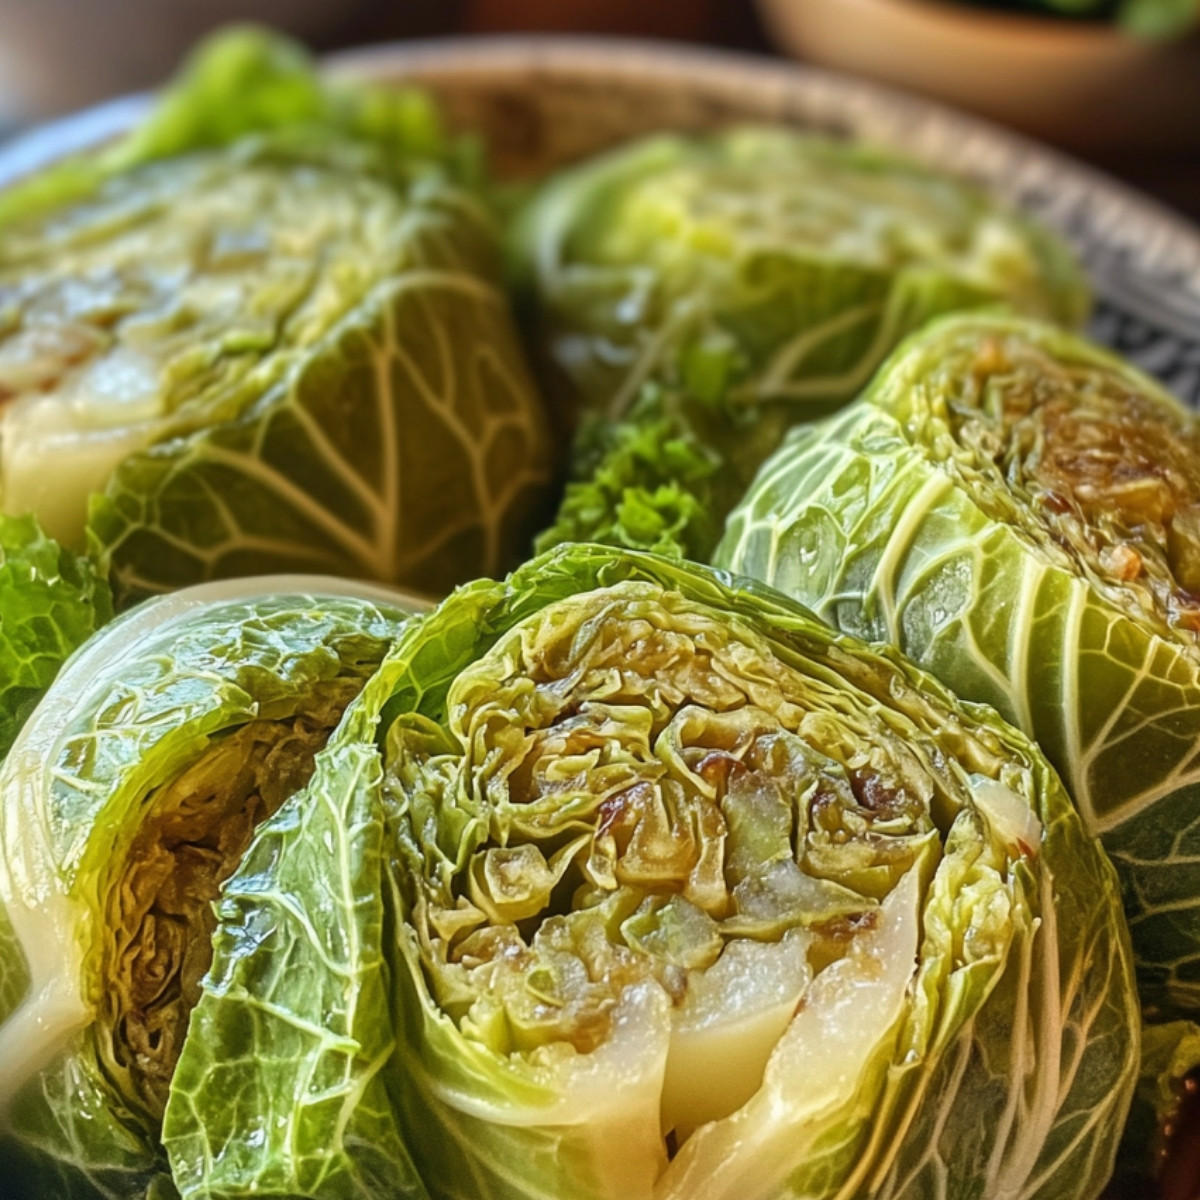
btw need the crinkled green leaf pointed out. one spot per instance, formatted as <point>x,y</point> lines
<point>69,1137</point>
<point>280,1090</point>
<point>407,445</point>
<point>266,335</point>
<point>760,273</point>
<point>51,602</point>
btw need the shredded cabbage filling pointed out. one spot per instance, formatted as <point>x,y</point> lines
<point>631,788</point>
<point>159,910</point>
<point>1107,473</point>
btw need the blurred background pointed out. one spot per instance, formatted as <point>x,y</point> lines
<point>1114,81</point>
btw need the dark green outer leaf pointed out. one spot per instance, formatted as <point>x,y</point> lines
<point>409,446</point>
<point>280,1091</point>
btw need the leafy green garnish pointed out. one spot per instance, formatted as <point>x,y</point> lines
<point>244,81</point>
<point>647,483</point>
<point>51,602</point>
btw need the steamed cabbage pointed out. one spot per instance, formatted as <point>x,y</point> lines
<point>1019,511</point>
<point>264,332</point>
<point>752,278</point>
<point>128,799</point>
<point>647,884</point>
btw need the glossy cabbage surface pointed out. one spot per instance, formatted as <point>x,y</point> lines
<point>128,799</point>
<point>641,882</point>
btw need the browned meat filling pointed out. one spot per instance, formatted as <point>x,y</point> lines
<point>195,832</point>
<point>1112,474</point>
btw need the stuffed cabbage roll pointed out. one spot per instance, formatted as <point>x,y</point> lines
<point>1019,511</point>
<point>753,278</point>
<point>654,886</point>
<point>128,799</point>
<point>264,332</point>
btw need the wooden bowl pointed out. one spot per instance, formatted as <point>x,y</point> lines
<point>1082,84</point>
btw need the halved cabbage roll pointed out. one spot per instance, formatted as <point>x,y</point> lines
<point>265,332</point>
<point>1019,511</point>
<point>678,894</point>
<point>128,799</point>
<point>752,277</point>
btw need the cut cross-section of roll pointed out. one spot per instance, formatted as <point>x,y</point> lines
<point>265,332</point>
<point>670,892</point>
